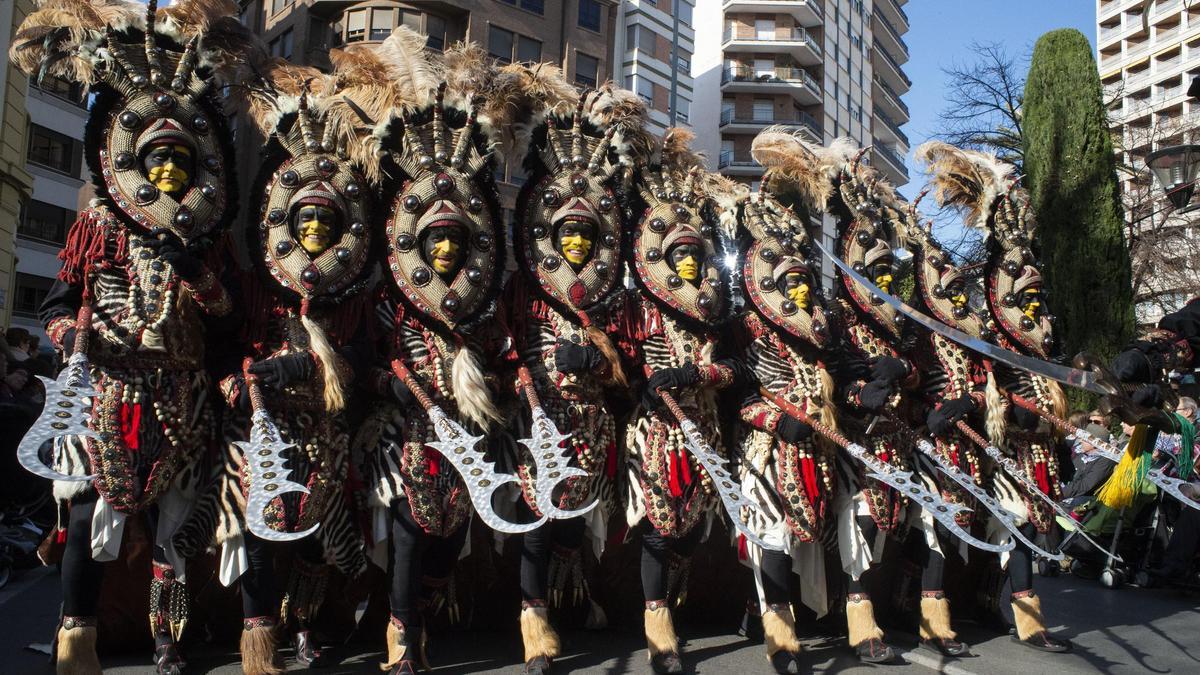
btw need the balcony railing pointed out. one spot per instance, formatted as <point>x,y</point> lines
<point>800,118</point>
<point>882,51</point>
<point>814,5</point>
<point>892,95</point>
<point>893,32</point>
<point>891,124</point>
<point>892,155</point>
<point>793,35</point>
<point>727,159</point>
<point>781,74</point>
<point>1108,32</point>
<point>900,10</point>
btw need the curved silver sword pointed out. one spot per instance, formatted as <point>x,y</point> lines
<point>265,462</point>
<point>1071,376</point>
<point>458,447</point>
<point>67,408</point>
<point>550,457</point>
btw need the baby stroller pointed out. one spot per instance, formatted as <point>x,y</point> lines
<point>1128,534</point>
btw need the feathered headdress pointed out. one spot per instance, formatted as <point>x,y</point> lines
<point>974,182</point>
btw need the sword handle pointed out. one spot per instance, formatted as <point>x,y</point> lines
<point>83,326</point>
<point>1050,417</point>
<point>799,414</point>
<point>526,380</point>
<point>672,405</point>
<point>252,388</point>
<point>410,381</point>
<point>974,436</point>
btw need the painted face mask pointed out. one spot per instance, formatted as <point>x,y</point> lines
<point>882,273</point>
<point>685,260</point>
<point>575,240</point>
<point>169,167</point>
<point>442,250</point>
<point>958,294</point>
<point>314,227</point>
<point>1032,307</point>
<point>797,289</point>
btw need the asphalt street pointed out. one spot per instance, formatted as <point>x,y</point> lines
<point>1129,630</point>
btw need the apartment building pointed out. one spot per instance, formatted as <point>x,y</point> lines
<point>825,68</point>
<point>654,42</point>
<point>16,184</point>
<point>575,34</point>
<point>1148,54</point>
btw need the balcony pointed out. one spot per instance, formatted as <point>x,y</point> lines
<point>797,43</point>
<point>1110,33</point>
<point>892,160</point>
<point>802,86</point>
<point>891,71</point>
<point>805,12</point>
<point>752,124</point>
<point>891,37</point>
<point>891,98</point>
<point>731,165</point>
<point>895,12</point>
<point>891,126</point>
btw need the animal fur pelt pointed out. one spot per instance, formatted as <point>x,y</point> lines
<point>967,179</point>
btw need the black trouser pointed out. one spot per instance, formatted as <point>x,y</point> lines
<point>1020,562</point>
<point>1177,559</point>
<point>535,553</point>
<point>933,563</point>
<point>656,553</point>
<point>414,550</point>
<point>260,588</point>
<point>81,574</point>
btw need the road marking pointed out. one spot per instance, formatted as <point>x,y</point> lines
<point>925,658</point>
<point>27,580</point>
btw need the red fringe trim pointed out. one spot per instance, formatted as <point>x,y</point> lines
<point>94,239</point>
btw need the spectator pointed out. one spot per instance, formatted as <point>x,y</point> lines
<point>1091,470</point>
<point>1097,417</point>
<point>18,344</point>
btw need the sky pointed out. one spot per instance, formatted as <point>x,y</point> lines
<point>941,33</point>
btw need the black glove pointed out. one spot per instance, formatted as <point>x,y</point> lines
<point>281,371</point>
<point>173,251</point>
<point>242,402</point>
<point>68,343</point>
<point>573,358</point>
<point>874,396</point>
<point>1025,419</point>
<point>668,378</point>
<point>888,369</point>
<point>792,430</point>
<point>400,392</point>
<point>940,419</point>
<point>1149,396</point>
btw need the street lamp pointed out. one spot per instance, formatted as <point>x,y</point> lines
<point>1176,168</point>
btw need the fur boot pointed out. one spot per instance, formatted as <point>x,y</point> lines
<point>860,620</point>
<point>1027,613</point>
<point>935,619</point>
<point>537,634</point>
<point>258,648</point>
<point>76,654</point>
<point>397,648</point>
<point>779,628</point>
<point>660,631</point>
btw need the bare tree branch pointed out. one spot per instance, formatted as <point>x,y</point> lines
<point>983,108</point>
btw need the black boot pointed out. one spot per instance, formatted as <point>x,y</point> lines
<point>167,660</point>
<point>667,663</point>
<point>874,650</point>
<point>1044,642</point>
<point>308,653</point>
<point>538,666</point>
<point>786,662</point>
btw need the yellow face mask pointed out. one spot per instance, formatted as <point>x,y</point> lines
<point>315,228</point>
<point>884,282</point>
<point>959,298</point>
<point>170,175</point>
<point>687,269</point>
<point>445,255</point>
<point>799,294</point>
<point>575,248</point>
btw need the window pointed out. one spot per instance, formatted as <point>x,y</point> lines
<point>684,11</point>
<point>282,45</point>
<point>764,110</point>
<point>535,6</point>
<point>764,68</point>
<point>413,20</point>
<point>46,222</point>
<point>435,29</point>
<point>56,86</point>
<point>683,109</point>
<point>684,63</point>
<point>278,6</point>
<point>589,15</point>
<point>764,29</point>
<point>516,174</point>
<point>381,24</point>
<point>645,89</point>
<point>54,150</point>
<point>500,171</point>
<point>500,44</point>
<point>31,291</point>
<point>528,49</point>
<point>587,69</point>
<point>356,25</point>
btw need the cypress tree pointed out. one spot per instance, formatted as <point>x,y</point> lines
<point>1072,180</point>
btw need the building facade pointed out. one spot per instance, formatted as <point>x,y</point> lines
<point>575,34</point>
<point>43,132</point>
<point>824,68</point>
<point>654,43</point>
<point>1148,54</point>
<point>16,184</point>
